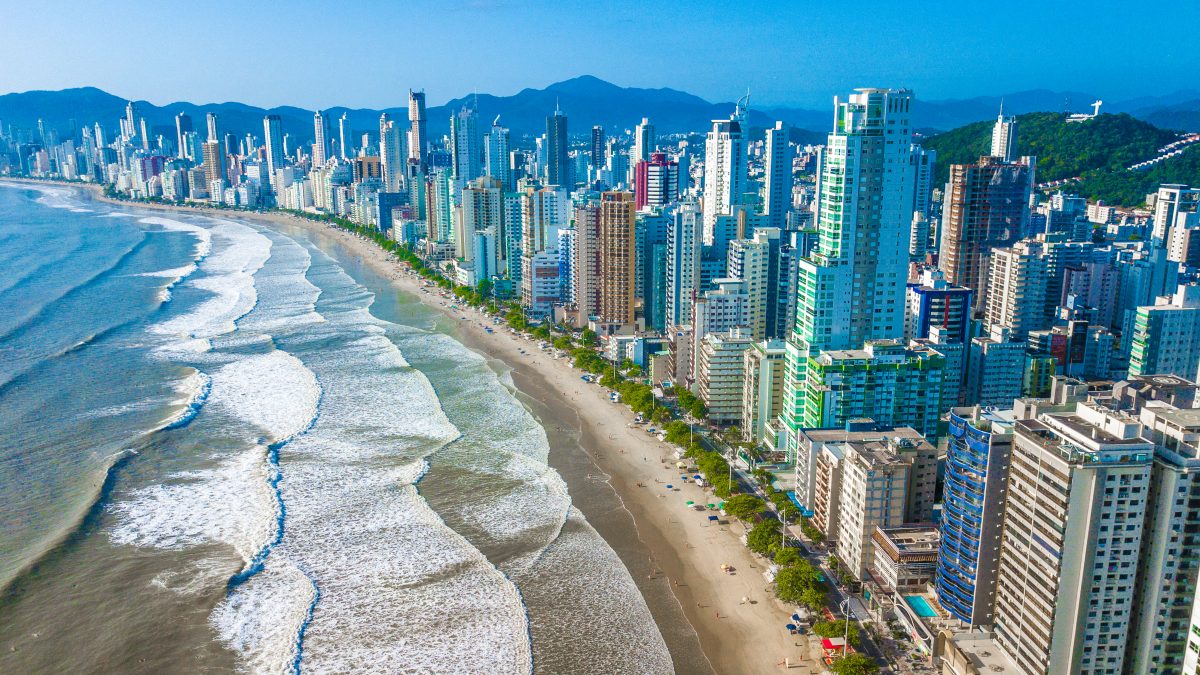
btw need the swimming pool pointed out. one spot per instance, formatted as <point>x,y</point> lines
<point>920,605</point>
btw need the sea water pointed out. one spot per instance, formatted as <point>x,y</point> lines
<point>228,446</point>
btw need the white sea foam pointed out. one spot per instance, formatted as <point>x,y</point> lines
<point>274,392</point>
<point>262,619</point>
<point>228,277</point>
<point>194,390</point>
<point>230,503</point>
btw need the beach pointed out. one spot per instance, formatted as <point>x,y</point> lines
<point>712,620</point>
<point>675,554</point>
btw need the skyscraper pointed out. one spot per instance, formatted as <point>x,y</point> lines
<point>618,254</point>
<point>1171,200</point>
<point>273,139</point>
<point>320,151</point>
<point>851,288</point>
<point>597,148</point>
<point>985,208</point>
<point>464,145</point>
<point>724,169</point>
<point>557,168</point>
<point>183,126</point>
<point>656,181</point>
<point>1004,137</point>
<point>393,158</point>
<point>345,136</point>
<point>496,155</point>
<point>417,140</point>
<point>211,120</point>
<point>777,177</point>
<point>587,262</point>
<point>644,142</point>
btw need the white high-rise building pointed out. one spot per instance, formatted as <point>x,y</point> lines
<point>464,145</point>
<point>683,263</point>
<point>777,177</point>
<point>392,154</point>
<point>724,168</point>
<point>482,210</point>
<point>643,142</point>
<point>1078,488</point>
<point>345,136</point>
<point>495,154</point>
<point>320,151</point>
<point>1171,200</point>
<point>1004,137</point>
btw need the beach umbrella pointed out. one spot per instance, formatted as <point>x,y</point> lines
<point>697,476</point>
<point>690,502</point>
<point>680,464</point>
<point>683,477</point>
<point>791,626</point>
<point>795,617</point>
<point>721,505</point>
<point>712,506</point>
<point>711,518</point>
<point>669,486</point>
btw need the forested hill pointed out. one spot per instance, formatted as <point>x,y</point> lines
<point>1097,150</point>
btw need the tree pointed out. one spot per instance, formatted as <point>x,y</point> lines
<point>787,557</point>
<point>762,536</point>
<point>589,338</point>
<point>830,629</point>
<point>563,342</point>
<point>744,507</point>
<point>854,664</point>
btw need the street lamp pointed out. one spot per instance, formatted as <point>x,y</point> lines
<point>845,607</point>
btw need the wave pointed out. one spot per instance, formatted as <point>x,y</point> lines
<point>228,279</point>
<point>74,532</point>
<point>202,234</point>
<point>197,387</point>
<point>44,263</point>
<point>32,319</point>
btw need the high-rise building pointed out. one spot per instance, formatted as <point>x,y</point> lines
<point>1017,283</point>
<point>884,380</point>
<point>557,167</point>
<point>883,484</point>
<point>464,145</point>
<point>762,392</point>
<point>418,139</point>
<point>183,126</point>
<point>321,139</point>
<point>933,302</point>
<point>597,148</point>
<point>393,156</point>
<point>1169,201</point>
<point>924,163</point>
<point>482,209</point>
<point>1075,517</point>
<point>720,374</point>
<point>656,181</point>
<point>851,289</point>
<point>724,168</point>
<point>1004,138</point>
<point>587,262</point>
<point>496,155</point>
<point>214,163</point>
<point>345,136</point>
<point>618,254</point>
<point>273,141</point>
<point>644,142</point>
<point>1166,336</point>
<point>750,261</point>
<point>211,123</point>
<point>683,264</point>
<point>777,177</point>
<point>985,208</point>
<point>978,451</point>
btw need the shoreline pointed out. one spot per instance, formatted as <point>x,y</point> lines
<point>673,553</point>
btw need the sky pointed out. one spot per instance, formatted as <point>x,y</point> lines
<point>356,53</point>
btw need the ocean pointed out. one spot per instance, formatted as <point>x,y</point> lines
<point>232,447</point>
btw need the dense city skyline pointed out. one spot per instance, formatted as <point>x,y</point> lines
<point>702,51</point>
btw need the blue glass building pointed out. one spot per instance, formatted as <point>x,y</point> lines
<point>977,461</point>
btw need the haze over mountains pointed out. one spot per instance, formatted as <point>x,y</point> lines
<point>587,101</point>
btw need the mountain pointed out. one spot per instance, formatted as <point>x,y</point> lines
<point>586,100</point>
<point>1098,150</point>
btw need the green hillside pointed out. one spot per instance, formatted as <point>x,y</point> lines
<point>1098,150</point>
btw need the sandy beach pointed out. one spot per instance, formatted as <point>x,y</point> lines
<point>675,554</point>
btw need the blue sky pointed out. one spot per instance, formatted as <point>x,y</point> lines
<point>320,53</point>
